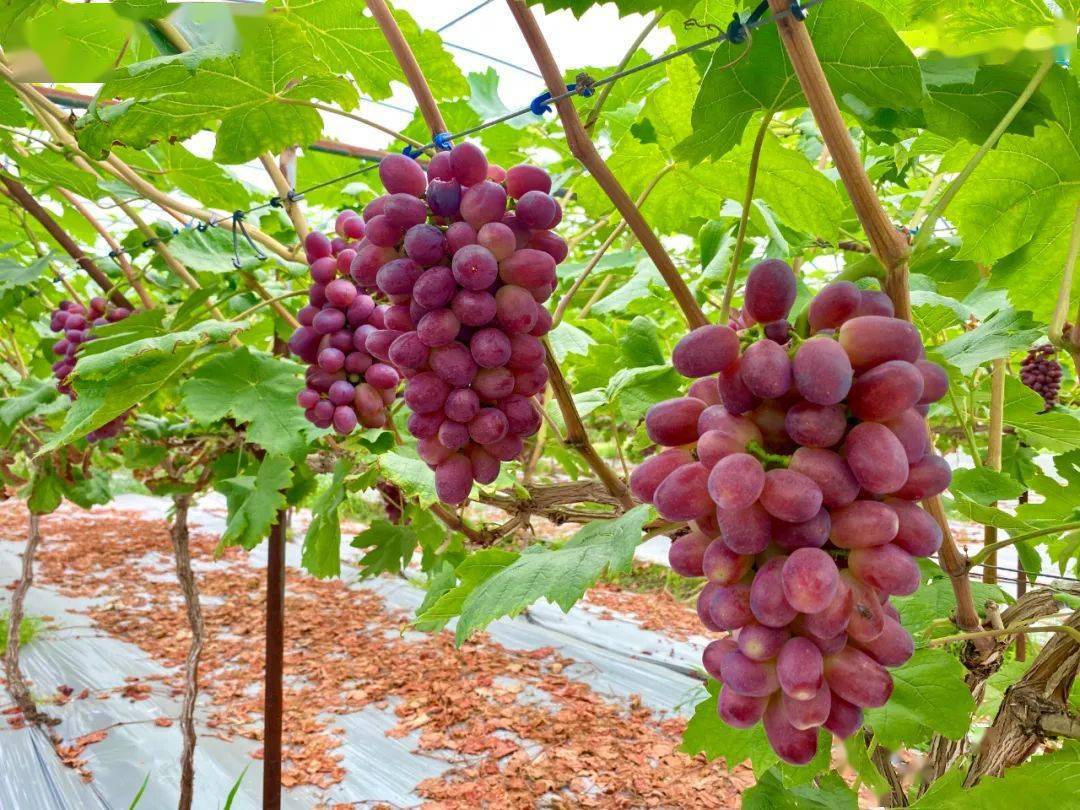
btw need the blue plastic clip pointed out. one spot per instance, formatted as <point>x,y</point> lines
<point>412,151</point>
<point>540,104</point>
<point>442,141</point>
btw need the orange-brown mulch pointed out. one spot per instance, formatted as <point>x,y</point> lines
<point>654,610</point>
<point>344,651</point>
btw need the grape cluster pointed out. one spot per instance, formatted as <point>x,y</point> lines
<point>798,464</point>
<point>1040,372</point>
<point>77,323</point>
<point>348,382</point>
<point>465,255</point>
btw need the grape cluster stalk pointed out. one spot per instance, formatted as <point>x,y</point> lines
<point>77,323</point>
<point>1041,372</point>
<point>798,464</point>
<point>464,256</point>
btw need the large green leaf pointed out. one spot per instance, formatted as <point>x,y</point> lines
<point>14,273</point>
<point>321,554</point>
<point>1000,335</point>
<point>256,97</point>
<point>29,398</point>
<point>254,501</point>
<point>560,575</point>
<point>579,7</point>
<point>1057,431</point>
<point>170,165</point>
<point>867,65</point>
<point>79,42</point>
<point>49,168</point>
<point>257,390</point>
<point>830,793</point>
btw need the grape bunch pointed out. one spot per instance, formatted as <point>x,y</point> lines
<point>347,383</point>
<point>465,255</point>
<point>77,323</point>
<point>798,464</point>
<point>1040,372</point>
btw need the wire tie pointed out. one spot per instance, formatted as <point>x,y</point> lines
<point>292,196</point>
<point>412,151</point>
<point>114,253</point>
<point>442,141</point>
<point>238,223</point>
<point>202,226</point>
<point>797,11</point>
<point>153,240</point>
<point>275,202</point>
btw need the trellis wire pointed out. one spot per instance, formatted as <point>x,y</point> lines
<point>735,33</point>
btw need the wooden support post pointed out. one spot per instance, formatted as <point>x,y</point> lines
<point>273,687</point>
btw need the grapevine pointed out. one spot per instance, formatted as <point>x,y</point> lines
<point>798,464</point>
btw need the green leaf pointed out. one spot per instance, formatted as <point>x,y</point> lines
<point>641,343</point>
<point>257,97</point>
<point>770,793</point>
<point>391,548</point>
<point>210,251</point>
<point>984,486</point>
<point>321,555</point>
<point>1005,332</point>
<point>560,575</point>
<point>255,389</point>
<point>867,66</point>
<point>936,601</point>
<point>579,7</point>
<point>14,273</point>
<point>170,165</point>
<point>46,491</point>
<point>1057,431</point>
<point>1050,779</point>
<point>254,501</point>
<point>929,695</point>
<point>78,42</point>
<point>411,474</point>
<point>859,759</point>
<point>30,397</point>
<point>341,35</point>
<point>49,169</point>
<point>566,339</point>
<point>471,571</point>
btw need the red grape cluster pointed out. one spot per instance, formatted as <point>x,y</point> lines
<point>1040,372</point>
<point>797,465</point>
<point>77,322</point>
<point>466,279</point>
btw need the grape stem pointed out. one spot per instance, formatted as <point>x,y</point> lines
<point>1056,332</point>
<point>744,217</point>
<point>1023,627</point>
<point>987,551</point>
<point>769,460</point>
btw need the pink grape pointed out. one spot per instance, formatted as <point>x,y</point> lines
<point>748,677</point>
<point>800,669</point>
<point>474,267</point>
<point>875,302</point>
<point>524,178</point>
<point>887,568</point>
<point>918,533</point>
<point>722,565</point>
<point>736,481</point>
<point>885,391</point>
<point>790,495</point>
<point>648,475</point>
<point>844,719</point>
<point>728,606</point>
<point>876,458</point>
<point>910,428</point>
<point>935,381</point>
<point>770,291</point>
<point>811,425</point>
<point>926,478</point>
<point>810,533</point>
<point>832,306</point>
<point>862,524</point>
<point>792,745</point>
<point>706,350</point>
<point>822,371</point>
<point>893,648</point>
<point>760,643</point>
<point>870,340</point>
<point>740,711</point>
<point>684,494</point>
<point>675,421</point>
<point>767,601</point>
<point>810,713</point>
<point>453,479</point>
<point>765,369</point>
<point>858,679</point>
<point>686,554</point>
<point>746,531</point>
<point>400,174</point>
<point>468,164</point>
<point>810,579</point>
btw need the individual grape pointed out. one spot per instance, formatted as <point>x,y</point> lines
<point>426,393</point>
<point>528,268</point>
<point>453,479</point>
<point>344,420</point>
<point>515,309</point>
<point>460,235</point>
<point>648,475</point>
<point>686,554</point>
<point>811,425</point>
<point>778,332</point>
<point>468,164</point>
<point>359,310</point>
<point>844,719</point>
<point>770,291</point>
<point>886,568</point>
<point>498,239</point>
<point>810,713</point>
<point>399,317</point>
<point>706,350</point>
<point>893,648</point>
<point>767,601</point>
<point>867,619</point>
<point>531,381</point>
<point>918,533</point>
<point>409,351</point>
<point>462,404</point>
<point>770,418</point>
<point>705,389</point>
<point>432,451</point>
<point>875,302</point>
<point>483,203</point>
<point>523,417</point>
<point>765,369</point>
<point>876,458</point>
<point>366,263</point>
<point>790,495</point>
<point>341,392</point>
<point>453,363</point>
<point>910,428</point>
<point>740,711</point>
<point>382,376</point>
<point>746,531</point>
<point>858,678</point>
<point>378,342</point>
<point>316,246</point>
<point>526,352</point>
<point>485,467</point>
<point>536,210</point>
<point>425,425</point>
<point>425,244</point>
<point>494,384</point>
<point>523,178</point>
<point>444,198</point>
<point>474,307</point>
<point>703,605</point>
<point>735,396</point>
<point>736,481</point>
<point>404,210</point>
<point>800,669</point>
<point>794,746</point>
<point>870,340</point>
<point>328,321</point>
<point>488,426</point>
<point>748,677</point>
<point>402,175</point>
<point>760,643</point>
<point>863,523</point>
<point>307,398</point>
<point>397,277</point>
<point>822,371</point>
<point>935,381</point>
<point>810,533</point>
<point>331,360</point>
<point>885,391</point>
<point>927,477</point>
<point>736,431</point>
<point>833,619</point>
<point>474,267</point>
<point>674,421</point>
<point>684,494</point>
<point>324,270</point>
<point>809,578</point>
<point>453,435</point>
<point>437,328</point>
<point>381,231</point>
<point>324,411</point>
<point>507,448</point>
<point>490,348</point>
<point>832,306</point>
<point>551,243</point>
<point>728,606</point>
<point>521,233</point>
<point>721,564</point>
<point>713,655</point>
<point>439,168</point>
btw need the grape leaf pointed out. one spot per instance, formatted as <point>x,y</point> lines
<point>255,389</point>
<point>391,547</point>
<point>78,42</point>
<point>321,555</point>
<point>560,575</point>
<point>972,26</point>
<point>256,96</point>
<point>770,793</point>
<point>984,485</point>
<point>1005,332</point>
<point>254,501</point>
<point>929,695</point>
<point>339,34</point>
<point>170,165</point>
<point>44,492</point>
<point>867,66</point>
<point>970,110</point>
<point>641,343</point>
<point>411,474</point>
<point>29,398</point>
<point>1057,431</point>
<point>51,169</point>
<point>469,573</point>
<point>566,339</point>
<point>1036,267</point>
<point>936,600</point>
<point>142,9</point>
<point>14,273</point>
<point>579,7</point>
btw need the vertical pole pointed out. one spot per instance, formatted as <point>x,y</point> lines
<point>275,653</point>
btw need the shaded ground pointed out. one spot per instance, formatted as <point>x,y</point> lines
<point>514,728</point>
